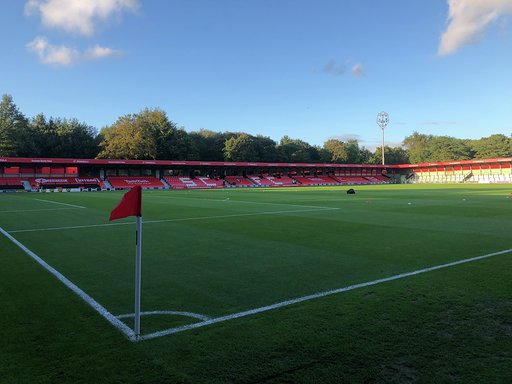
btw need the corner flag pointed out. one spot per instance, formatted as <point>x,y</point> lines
<point>131,205</point>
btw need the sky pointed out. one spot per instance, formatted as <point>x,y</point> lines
<point>309,69</point>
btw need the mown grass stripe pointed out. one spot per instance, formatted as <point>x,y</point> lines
<point>35,210</point>
<point>286,303</point>
<point>174,220</point>
<point>73,287</point>
<point>58,202</point>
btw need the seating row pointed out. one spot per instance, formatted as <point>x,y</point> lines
<point>131,181</point>
<point>52,182</point>
<point>316,180</point>
<point>239,181</point>
<point>179,182</point>
<point>11,183</point>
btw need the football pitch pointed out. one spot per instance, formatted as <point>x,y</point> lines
<point>397,283</point>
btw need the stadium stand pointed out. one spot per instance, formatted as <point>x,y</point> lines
<point>351,180</point>
<point>54,173</point>
<point>377,179</point>
<point>316,180</point>
<point>65,182</point>
<point>260,180</point>
<point>121,182</point>
<point>282,181</point>
<point>303,180</point>
<point>178,182</point>
<point>11,183</point>
<point>239,181</point>
<point>209,183</point>
<point>200,182</point>
<point>175,182</point>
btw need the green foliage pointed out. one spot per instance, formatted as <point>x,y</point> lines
<point>42,137</point>
<point>429,148</point>
<point>150,134</point>
<point>240,148</point>
<point>244,147</point>
<point>492,147</point>
<point>145,135</point>
<point>266,149</point>
<point>297,151</point>
<point>55,137</point>
<point>392,155</point>
<point>416,145</point>
<point>13,128</point>
<point>209,145</point>
<point>445,148</point>
<point>356,154</point>
<point>124,140</point>
<point>336,151</point>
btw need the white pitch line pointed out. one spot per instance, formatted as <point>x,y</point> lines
<point>177,313</point>
<point>313,296</point>
<point>175,220</point>
<point>35,210</point>
<point>84,296</point>
<point>70,227</point>
<point>57,202</point>
<point>239,201</point>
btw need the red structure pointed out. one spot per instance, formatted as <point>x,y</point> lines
<point>37,174</point>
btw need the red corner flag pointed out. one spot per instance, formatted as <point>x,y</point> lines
<point>130,204</point>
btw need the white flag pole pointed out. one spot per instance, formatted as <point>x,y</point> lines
<point>138,251</point>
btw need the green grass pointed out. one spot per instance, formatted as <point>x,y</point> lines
<point>220,252</point>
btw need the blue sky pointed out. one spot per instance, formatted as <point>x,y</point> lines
<point>309,69</point>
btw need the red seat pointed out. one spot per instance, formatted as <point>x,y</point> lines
<point>131,181</point>
<point>239,181</point>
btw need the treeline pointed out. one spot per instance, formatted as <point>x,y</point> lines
<point>150,134</point>
<point>428,148</point>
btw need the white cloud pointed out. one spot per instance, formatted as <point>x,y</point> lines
<point>78,16</point>
<point>467,21</point>
<point>58,55</point>
<point>358,70</point>
<point>62,56</point>
<point>99,52</point>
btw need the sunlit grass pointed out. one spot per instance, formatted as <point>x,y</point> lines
<point>218,252</point>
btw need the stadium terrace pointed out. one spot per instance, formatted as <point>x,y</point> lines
<point>56,174</point>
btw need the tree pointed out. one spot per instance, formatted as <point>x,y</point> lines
<point>494,146</point>
<point>209,145</point>
<point>171,142</point>
<point>45,135</point>
<point>145,135</point>
<point>365,155</point>
<point>416,145</point>
<point>336,151</point>
<point>426,148</point>
<point>297,151</point>
<point>446,148</point>
<point>266,149</point>
<point>75,139</point>
<point>13,128</point>
<point>240,148</point>
<point>393,155</point>
<point>56,137</point>
<point>355,155</point>
<point>126,139</point>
